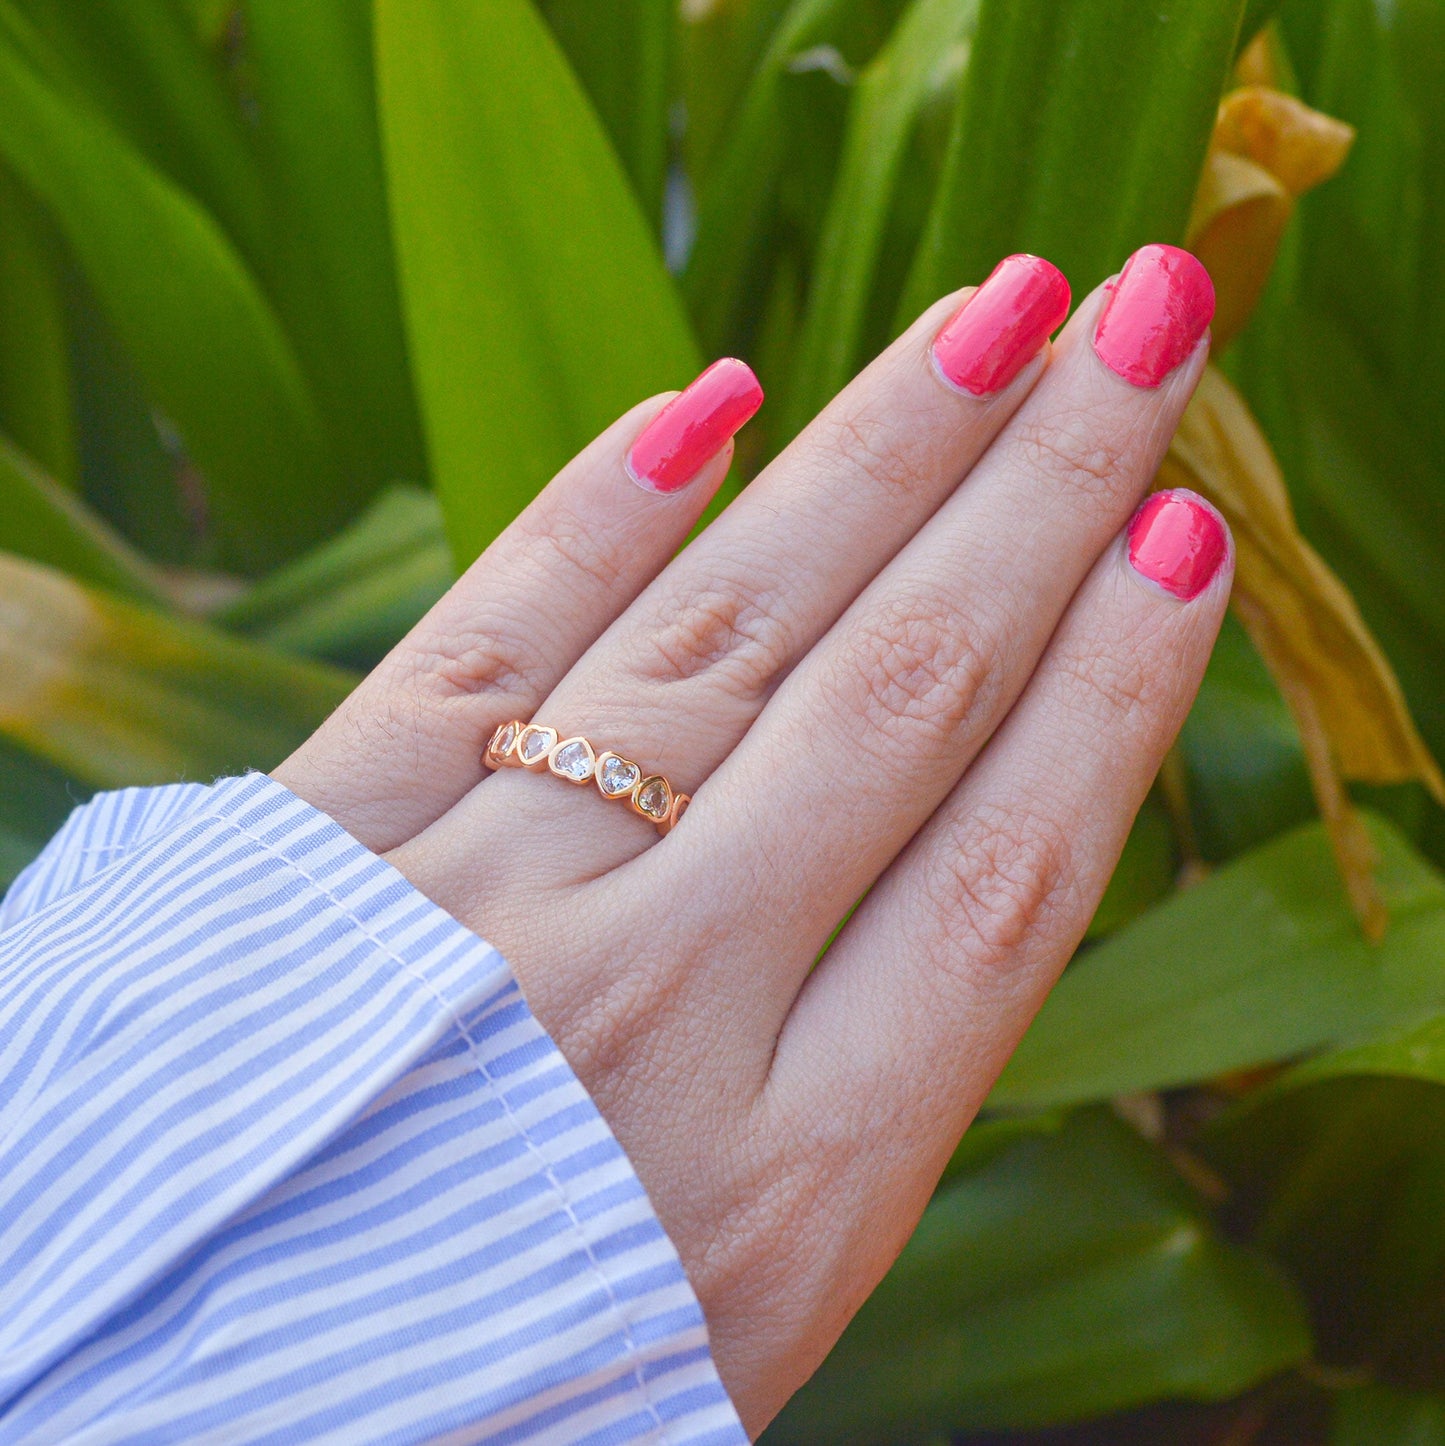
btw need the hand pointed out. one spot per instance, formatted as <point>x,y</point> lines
<point>913,661</point>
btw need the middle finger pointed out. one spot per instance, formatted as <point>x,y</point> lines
<point>875,727</point>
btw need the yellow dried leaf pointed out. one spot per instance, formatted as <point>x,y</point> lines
<point>1268,149</point>
<point>1257,64</point>
<point>1240,215</point>
<point>118,694</point>
<point>1300,147</point>
<point>1351,712</point>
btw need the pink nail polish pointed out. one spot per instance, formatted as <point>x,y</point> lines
<point>1159,308</point>
<point>987,341</point>
<point>1178,541</point>
<point>694,426</point>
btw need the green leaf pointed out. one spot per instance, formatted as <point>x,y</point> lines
<point>1379,1416</point>
<point>35,799</point>
<point>35,392</point>
<point>1257,14</point>
<point>183,304</point>
<point>127,474</point>
<point>146,66</point>
<point>1416,1053</point>
<point>737,192</point>
<point>929,45</point>
<point>1345,360</point>
<point>1244,765</point>
<point>1260,962</point>
<point>719,48</point>
<point>622,54</point>
<point>354,597</point>
<point>1342,1179</point>
<point>1079,136</point>
<point>537,305</point>
<point>1366,482</point>
<point>116,694</point>
<point>333,272</point>
<point>42,521</point>
<point>1068,1275</point>
<point>1146,871</point>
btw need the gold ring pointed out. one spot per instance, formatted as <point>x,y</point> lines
<point>537,748</point>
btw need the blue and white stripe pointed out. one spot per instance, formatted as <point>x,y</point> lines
<point>284,1156</point>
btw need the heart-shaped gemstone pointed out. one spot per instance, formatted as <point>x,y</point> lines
<point>616,776</point>
<point>503,739</point>
<point>573,759</point>
<point>535,743</point>
<point>654,798</point>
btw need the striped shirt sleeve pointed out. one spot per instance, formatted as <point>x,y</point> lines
<point>285,1157</point>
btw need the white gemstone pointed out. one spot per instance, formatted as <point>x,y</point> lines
<point>654,797</point>
<point>574,761</point>
<point>505,736</point>
<point>618,776</point>
<point>536,742</point>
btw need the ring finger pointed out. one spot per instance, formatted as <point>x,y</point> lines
<point>886,713</point>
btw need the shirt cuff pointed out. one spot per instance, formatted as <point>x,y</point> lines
<point>284,1156</point>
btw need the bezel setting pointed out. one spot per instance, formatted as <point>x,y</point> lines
<point>536,747</point>
<point>574,748</point>
<point>652,798</point>
<point>626,775</point>
<point>533,745</point>
<point>503,740</point>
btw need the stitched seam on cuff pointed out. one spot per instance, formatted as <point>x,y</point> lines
<point>639,1379</point>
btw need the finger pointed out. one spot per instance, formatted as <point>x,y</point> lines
<point>933,981</point>
<point>407,743</point>
<point>686,670</point>
<point>875,727</point>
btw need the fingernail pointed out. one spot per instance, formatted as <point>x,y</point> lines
<point>694,426</point>
<point>1159,308</point>
<point>1178,541</point>
<point>986,342</point>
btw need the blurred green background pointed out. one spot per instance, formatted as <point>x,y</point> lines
<point>301,300</point>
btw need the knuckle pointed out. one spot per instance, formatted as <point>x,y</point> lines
<point>730,635</point>
<point>1077,450</point>
<point>992,884</point>
<point>1120,679</point>
<point>575,556</point>
<point>772,1215</point>
<point>612,1034</point>
<point>874,447</point>
<point>913,672</point>
<point>499,659</point>
<point>493,665</point>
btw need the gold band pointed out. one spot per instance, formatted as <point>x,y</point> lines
<point>538,749</point>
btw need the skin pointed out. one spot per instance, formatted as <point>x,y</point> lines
<point>910,661</point>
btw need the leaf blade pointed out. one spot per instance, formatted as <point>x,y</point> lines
<point>332,268</point>
<point>884,109</point>
<point>1261,961</point>
<point>116,695</point>
<point>175,290</point>
<point>1132,102</point>
<point>1066,1276</point>
<point>537,305</point>
<point>42,521</point>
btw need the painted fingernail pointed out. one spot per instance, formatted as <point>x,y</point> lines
<point>985,344</point>
<point>1158,309</point>
<point>1178,541</point>
<point>694,426</point>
